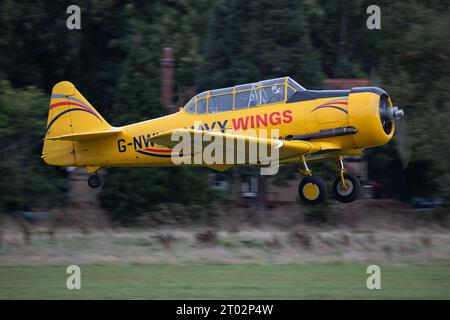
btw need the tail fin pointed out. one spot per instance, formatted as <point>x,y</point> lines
<point>70,114</point>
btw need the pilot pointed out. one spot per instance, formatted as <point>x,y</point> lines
<point>253,99</point>
<point>212,107</point>
<point>277,94</point>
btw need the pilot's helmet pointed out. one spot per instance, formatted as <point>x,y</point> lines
<point>276,89</point>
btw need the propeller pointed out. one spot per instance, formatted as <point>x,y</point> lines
<point>388,115</point>
<point>402,141</point>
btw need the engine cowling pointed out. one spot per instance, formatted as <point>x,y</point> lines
<point>371,112</point>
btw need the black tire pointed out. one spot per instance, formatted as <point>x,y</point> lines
<point>353,191</point>
<point>94,181</point>
<point>316,183</point>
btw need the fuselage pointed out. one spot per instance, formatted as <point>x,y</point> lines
<point>306,113</point>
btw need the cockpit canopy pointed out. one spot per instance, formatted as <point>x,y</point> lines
<point>243,96</point>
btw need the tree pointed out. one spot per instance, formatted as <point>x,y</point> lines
<point>254,40</point>
<point>413,58</point>
<point>26,183</point>
<point>127,193</point>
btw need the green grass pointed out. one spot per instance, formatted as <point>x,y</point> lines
<point>322,281</point>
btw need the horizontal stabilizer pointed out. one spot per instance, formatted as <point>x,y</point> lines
<point>83,136</point>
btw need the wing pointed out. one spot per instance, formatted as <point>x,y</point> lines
<point>287,149</point>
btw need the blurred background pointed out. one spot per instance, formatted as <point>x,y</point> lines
<point>135,60</point>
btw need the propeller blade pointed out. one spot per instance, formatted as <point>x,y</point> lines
<point>402,141</point>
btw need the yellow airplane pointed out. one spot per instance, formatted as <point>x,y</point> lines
<point>311,126</point>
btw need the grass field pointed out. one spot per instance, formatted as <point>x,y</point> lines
<point>322,281</point>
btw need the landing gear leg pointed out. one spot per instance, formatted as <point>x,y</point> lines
<point>346,187</point>
<point>305,171</point>
<point>341,170</point>
<point>312,189</point>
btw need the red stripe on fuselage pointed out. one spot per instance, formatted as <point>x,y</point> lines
<point>331,103</point>
<point>158,150</point>
<point>340,102</point>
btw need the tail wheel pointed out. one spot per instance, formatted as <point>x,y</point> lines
<point>351,193</point>
<point>94,181</point>
<point>312,190</point>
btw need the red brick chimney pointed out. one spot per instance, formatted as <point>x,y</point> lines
<point>167,65</point>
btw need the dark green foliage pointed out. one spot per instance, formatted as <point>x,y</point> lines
<point>255,40</point>
<point>128,193</point>
<point>413,63</point>
<point>26,182</point>
<point>114,60</point>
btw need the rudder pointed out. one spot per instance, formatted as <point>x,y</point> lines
<point>69,113</point>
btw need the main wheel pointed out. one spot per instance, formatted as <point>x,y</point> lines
<point>94,181</point>
<point>312,190</point>
<point>353,189</point>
